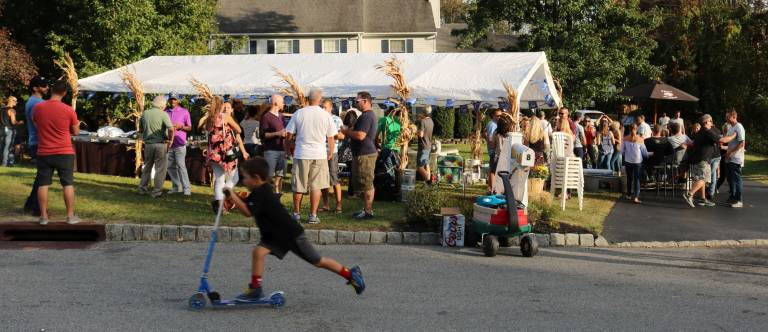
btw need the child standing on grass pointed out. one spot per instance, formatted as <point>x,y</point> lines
<point>279,234</point>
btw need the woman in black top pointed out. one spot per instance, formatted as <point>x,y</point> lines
<point>9,122</point>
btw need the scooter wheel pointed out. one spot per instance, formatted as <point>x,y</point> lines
<point>490,245</point>
<point>197,301</point>
<point>529,246</point>
<point>278,300</point>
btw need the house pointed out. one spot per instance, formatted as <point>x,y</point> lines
<point>330,26</point>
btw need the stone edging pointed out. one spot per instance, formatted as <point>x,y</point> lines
<point>135,232</point>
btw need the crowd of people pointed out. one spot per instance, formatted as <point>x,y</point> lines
<point>706,156</point>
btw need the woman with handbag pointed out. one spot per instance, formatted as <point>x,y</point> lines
<point>225,147</point>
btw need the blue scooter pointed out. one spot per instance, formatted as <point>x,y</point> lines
<point>198,301</point>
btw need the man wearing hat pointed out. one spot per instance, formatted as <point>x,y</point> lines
<point>38,87</point>
<point>177,166</point>
<point>156,132</point>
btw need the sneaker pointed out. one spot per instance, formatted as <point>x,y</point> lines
<point>705,203</point>
<point>357,282</point>
<point>187,193</point>
<point>43,221</point>
<point>250,295</point>
<point>73,220</point>
<point>142,191</point>
<point>296,217</point>
<point>688,199</point>
<point>313,219</point>
<point>363,216</point>
<point>737,205</point>
<point>730,201</point>
<point>354,214</point>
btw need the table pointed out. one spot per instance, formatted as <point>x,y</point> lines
<point>113,157</point>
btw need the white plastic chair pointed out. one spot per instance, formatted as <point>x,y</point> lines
<point>567,171</point>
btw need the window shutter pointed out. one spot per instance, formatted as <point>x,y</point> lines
<point>295,46</point>
<point>270,47</point>
<point>343,45</point>
<point>409,46</point>
<point>385,46</point>
<point>318,46</point>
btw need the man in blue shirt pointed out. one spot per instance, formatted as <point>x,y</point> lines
<point>38,88</point>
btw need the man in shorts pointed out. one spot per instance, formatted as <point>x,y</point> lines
<point>333,163</point>
<point>272,132</point>
<point>703,151</point>
<point>56,122</point>
<point>313,133</point>
<point>363,137</point>
<point>426,125</point>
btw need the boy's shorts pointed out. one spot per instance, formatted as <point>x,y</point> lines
<point>300,246</point>
<point>64,164</point>
<point>422,158</point>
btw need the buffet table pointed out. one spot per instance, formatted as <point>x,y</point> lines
<point>116,156</point>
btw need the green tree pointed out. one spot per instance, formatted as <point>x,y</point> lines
<point>102,35</point>
<point>16,64</point>
<point>464,123</point>
<point>445,120</point>
<point>594,46</point>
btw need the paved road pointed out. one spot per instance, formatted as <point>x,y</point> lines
<point>144,287</point>
<point>669,218</point>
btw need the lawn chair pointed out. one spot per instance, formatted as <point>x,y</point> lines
<point>567,171</point>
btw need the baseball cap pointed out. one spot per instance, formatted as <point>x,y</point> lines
<point>38,81</point>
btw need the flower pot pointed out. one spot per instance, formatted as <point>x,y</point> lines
<point>535,186</point>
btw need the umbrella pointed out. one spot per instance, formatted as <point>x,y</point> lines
<point>658,90</point>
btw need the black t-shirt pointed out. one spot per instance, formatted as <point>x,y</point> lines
<point>274,222</point>
<point>660,147</point>
<point>704,145</point>
<point>366,122</point>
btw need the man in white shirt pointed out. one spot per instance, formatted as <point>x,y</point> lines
<point>312,132</point>
<point>679,122</point>
<point>663,121</point>
<point>734,157</point>
<point>643,129</point>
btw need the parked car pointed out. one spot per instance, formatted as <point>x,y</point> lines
<point>590,114</point>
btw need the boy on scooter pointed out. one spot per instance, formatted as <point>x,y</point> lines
<point>279,234</point>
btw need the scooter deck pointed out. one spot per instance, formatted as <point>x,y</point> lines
<point>276,299</point>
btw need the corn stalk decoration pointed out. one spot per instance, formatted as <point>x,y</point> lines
<point>70,74</point>
<point>212,103</point>
<point>291,89</point>
<point>392,67</point>
<point>133,83</point>
<point>476,143</point>
<point>514,106</point>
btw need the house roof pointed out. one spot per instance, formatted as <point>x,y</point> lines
<point>323,16</point>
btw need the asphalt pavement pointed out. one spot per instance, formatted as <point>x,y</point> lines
<point>669,218</point>
<point>145,287</point>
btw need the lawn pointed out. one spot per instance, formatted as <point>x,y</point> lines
<point>756,168</point>
<point>111,199</point>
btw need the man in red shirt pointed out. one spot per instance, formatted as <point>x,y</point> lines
<point>56,122</point>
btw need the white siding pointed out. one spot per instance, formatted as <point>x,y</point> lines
<point>420,44</point>
<point>369,44</point>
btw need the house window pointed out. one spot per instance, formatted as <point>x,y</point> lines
<point>397,46</point>
<point>283,46</point>
<point>253,46</point>
<point>331,46</point>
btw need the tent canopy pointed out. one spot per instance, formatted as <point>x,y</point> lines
<point>442,76</point>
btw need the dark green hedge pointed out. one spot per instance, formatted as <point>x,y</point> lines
<point>445,120</point>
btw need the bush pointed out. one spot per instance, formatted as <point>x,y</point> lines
<point>445,120</point>
<point>464,123</point>
<point>421,207</point>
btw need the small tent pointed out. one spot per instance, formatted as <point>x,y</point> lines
<point>431,76</point>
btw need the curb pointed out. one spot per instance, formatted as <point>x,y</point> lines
<point>185,233</point>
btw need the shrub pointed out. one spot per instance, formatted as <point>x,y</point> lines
<point>422,205</point>
<point>444,119</point>
<point>464,123</point>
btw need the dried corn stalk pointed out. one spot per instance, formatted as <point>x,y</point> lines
<point>392,67</point>
<point>133,83</point>
<point>212,103</point>
<point>514,107</point>
<point>292,89</point>
<point>477,137</point>
<point>70,74</point>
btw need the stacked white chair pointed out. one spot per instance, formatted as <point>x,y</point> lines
<point>567,171</point>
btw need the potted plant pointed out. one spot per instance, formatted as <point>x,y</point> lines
<point>536,178</point>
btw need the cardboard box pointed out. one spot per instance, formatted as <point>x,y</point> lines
<point>454,226</point>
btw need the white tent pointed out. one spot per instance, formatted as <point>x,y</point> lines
<point>442,76</point>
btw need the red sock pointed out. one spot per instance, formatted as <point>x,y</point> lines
<point>255,282</point>
<point>346,273</point>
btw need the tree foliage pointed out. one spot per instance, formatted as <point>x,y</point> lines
<point>102,35</point>
<point>464,123</point>
<point>594,46</point>
<point>445,120</point>
<point>16,64</point>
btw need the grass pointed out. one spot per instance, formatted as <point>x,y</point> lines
<point>756,168</point>
<point>597,206</point>
<point>111,199</point>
